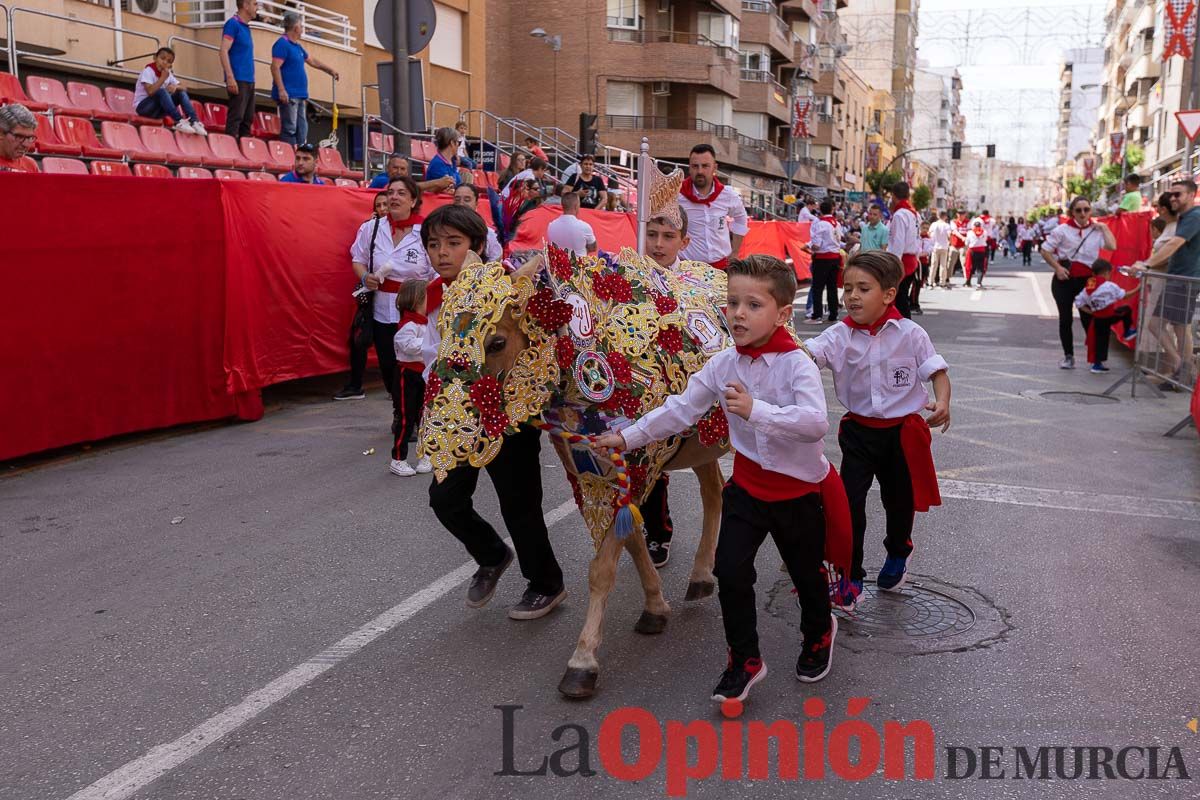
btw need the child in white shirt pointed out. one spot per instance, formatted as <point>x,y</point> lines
<point>158,92</point>
<point>1099,299</point>
<point>408,396</point>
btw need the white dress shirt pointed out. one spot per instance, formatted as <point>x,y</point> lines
<point>879,376</point>
<point>787,425</point>
<point>401,261</point>
<point>805,215</point>
<point>571,233</point>
<point>1101,298</point>
<point>823,237</point>
<point>976,239</point>
<point>709,226</point>
<point>939,232</point>
<point>409,340</point>
<point>1070,244</point>
<point>904,233</point>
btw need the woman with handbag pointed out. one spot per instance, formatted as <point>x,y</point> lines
<point>1070,250</point>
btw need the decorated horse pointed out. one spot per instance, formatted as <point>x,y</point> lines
<point>578,346</point>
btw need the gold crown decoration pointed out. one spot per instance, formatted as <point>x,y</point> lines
<point>664,195</point>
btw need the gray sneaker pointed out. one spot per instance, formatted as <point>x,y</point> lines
<point>534,604</point>
<point>1067,363</point>
<point>483,582</point>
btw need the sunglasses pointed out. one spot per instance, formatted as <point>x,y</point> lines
<point>1081,210</point>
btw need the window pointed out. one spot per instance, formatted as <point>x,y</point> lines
<point>626,14</point>
<point>753,125</point>
<point>446,46</point>
<point>755,57</point>
<point>720,28</point>
<point>714,108</point>
<point>625,99</point>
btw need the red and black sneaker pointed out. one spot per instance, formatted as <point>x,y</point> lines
<point>816,656</point>
<point>738,677</point>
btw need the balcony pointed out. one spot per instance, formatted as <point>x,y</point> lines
<point>832,85</point>
<point>675,56</point>
<point>1137,117</point>
<point>761,25</point>
<point>759,92</point>
<point>1144,68</point>
<point>829,133</point>
<point>674,137</point>
<point>321,25</point>
<point>731,7</point>
<point>805,9</point>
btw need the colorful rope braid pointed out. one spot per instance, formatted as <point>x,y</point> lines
<point>629,516</point>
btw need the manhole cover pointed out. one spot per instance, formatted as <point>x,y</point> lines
<point>1076,398</point>
<point>926,616</point>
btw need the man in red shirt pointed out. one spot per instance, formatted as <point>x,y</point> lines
<point>18,132</point>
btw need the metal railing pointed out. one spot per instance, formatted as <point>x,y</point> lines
<point>1164,355</point>
<point>764,76</point>
<point>624,122</point>
<point>642,36</point>
<point>321,25</point>
<point>41,54</point>
<point>10,45</point>
<point>175,41</point>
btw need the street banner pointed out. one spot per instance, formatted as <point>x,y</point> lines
<point>801,112</point>
<point>1117,144</point>
<point>872,155</point>
<point>1179,28</point>
<point>1089,168</point>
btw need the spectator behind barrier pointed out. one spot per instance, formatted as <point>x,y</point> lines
<point>590,187</point>
<point>445,163</point>
<point>460,131</point>
<point>304,169</point>
<point>570,232</point>
<point>467,196</point>
<point>158,92</point>
<point>518,164</point>
<point>381,204</point>
<point>398,166</point>
<point>18,132</point>
<point>289,80</point>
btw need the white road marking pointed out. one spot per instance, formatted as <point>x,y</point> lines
<point>1043,306</point>
<point>158,761</point>
<point>1152,507</point>
<point>977,338</point>
<point>977,295</point>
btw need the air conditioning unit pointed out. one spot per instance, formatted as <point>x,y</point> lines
<point>162,9</point>
<point>660,88</point>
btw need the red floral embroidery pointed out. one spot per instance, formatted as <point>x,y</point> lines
<point>560,263</point>
<point>671,340</point>
<point>550,312</point>
<point>665,305</point>
<point>432,389</point>
<point>713,428</point>
<point>620,367</point>
<point>564,349</point>
<point>494,423</point>
<point>611,286</point>
<point>623,400</point>
<point>485,394</point>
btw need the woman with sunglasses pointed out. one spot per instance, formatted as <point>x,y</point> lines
<point>1070,250</point>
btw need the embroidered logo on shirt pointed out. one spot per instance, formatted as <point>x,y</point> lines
<point>901,378</point>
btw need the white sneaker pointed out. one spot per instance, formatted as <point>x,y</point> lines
<point>401,468</point>
<point>183,126</point>
<point>198,128</point>
<point>424,467</point>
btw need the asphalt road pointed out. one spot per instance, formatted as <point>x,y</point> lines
<point>262,611</point>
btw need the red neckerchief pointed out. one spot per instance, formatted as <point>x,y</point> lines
<point>780,342</point>
<point>1076,225</point>
<point>412,316</point>
<point>1095,282</point>
<point>407,222</point>
<point>433,295</point>
<point>154,67</point>
<point>832,220</point>
<point>890,313</point>
<point>899,204</point>
<point>688,191</point>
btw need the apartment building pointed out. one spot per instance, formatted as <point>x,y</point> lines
<point>937,123</point>
<point>881,37</point>
<point>1080,90</point>
<point>1005,188</point>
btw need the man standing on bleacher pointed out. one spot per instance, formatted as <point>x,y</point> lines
<point>237,59</point>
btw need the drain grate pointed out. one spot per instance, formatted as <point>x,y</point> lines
<point>1075,398</point>
<point>914,611</point>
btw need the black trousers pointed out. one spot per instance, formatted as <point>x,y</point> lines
<point>408,400</point>
<point>869,454</point>
<point>977,261</point>
<point>1101,326</point>
<point>1064,293</point>
<point>383,335</point>
<point>824,281</point>
<point>904,296</point>
<point>1026,253</point>
<point>517,476</point>
<point>656,514</point>
<point>241,110</point>
<point>798,528</point>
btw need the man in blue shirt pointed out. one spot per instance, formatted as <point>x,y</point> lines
<point>398,166</point>
<point>305,168</point>
<point>289,88</point>
<point>237,60</point>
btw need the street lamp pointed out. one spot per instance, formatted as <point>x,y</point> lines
<point>555,43</point>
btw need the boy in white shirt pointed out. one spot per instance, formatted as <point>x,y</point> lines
<point>880,362</point>
<point>158,92</point>
<point>781,484</point>
<point>1099,299</point>
<point>408,395</point>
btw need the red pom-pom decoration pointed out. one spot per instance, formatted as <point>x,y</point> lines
<point>620,367</point>
<point>564,349</point>
<point>486,395</point>
<point>670,339</point>
<point>550,312</point>
<point>713,428</point>
<point>665,305</point>
<point>560,263</point>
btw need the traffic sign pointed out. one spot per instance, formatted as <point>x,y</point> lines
<point>1190,122</point>
<point>422,19</point>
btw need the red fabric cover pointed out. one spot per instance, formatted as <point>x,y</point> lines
<point>909,260</point>
<point>1196,404</point>
<point>916,441</point>
<point>64,166</point>
<point>1134,241</point>
<point>782,240</point>
<point>115,169</point>
<point>49,143</point>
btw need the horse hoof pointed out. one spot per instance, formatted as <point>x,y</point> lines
<point>578,684</point>
<point>698,590</point>
<point>651,624</point>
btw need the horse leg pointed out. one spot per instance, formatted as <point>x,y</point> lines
<point>583,669</point>
<point>701,582</point>
<point>654,617</point>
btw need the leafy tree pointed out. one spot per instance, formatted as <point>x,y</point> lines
<point>1135,156</point>
<point>922,196</point>
<point>1078,186</point>
<point>880,181</point>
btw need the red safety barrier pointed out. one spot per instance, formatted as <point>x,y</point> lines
<point>174,302</point>
<point>1134,240</point>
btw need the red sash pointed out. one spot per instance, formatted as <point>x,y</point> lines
<point>1077,269</point>
<point>915,442</point>
<point>722,265</point>
<point>909,260</point>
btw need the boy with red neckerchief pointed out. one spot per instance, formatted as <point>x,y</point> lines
<point>1099,299</point>
<point>782,484</point>
<point>904,242</point>
<point>880,362</point>
<point>826,246</point>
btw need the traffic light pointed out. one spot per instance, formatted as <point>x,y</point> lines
<point>1008,184</point>
<point>991,151</point>
<point>589,134</point>
<point>956,150</point>
<point>1021,182</point>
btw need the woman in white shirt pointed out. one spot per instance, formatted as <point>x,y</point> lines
<point>1070,250</point>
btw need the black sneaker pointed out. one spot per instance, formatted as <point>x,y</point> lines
<point>350,393</point>
<point>660,552</point>
<point>535,604</point>
<point>483,582</point>
<point>737,679</point>
<point>816,657</point>
<point>917,310</point>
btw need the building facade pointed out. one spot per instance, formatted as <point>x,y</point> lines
<point>937,123</point>
<point>881,38</point>
<point>1004,188</point>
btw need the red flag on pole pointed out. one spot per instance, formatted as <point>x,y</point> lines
<point>1089,168</point>
<point>872,155</point>
<point>800,116</point>
<point>1179,20</point>
<point>1117,142</point>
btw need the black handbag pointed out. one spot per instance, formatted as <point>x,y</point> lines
<point>362,328</point>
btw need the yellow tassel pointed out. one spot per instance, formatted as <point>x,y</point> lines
<point>637,516</point>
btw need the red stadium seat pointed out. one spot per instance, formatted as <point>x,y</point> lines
<point>53,94</point>
<point>217,113</point>
<point>255,151</point>
<point>230,175</point>
<point>121,101</point>
<point>484,179</point>
<point>329,162</point>
<point>197,146</point>
<point>64,166</point>
<point>124,136</point>
<point>73,130</point>
<point>85,95</point>
<point>204,112</point>
<point>111,169</point>
<point>264,177</point>
<point>429,149</point>
<point>49,143</point>
<point>151,171</point>
<point>225,147</point>
<point>283,156</point>
<point>503,162</point>
<point>161,140</point>
<point>385,142</point>
<point>11,92</point>
<point>350,182</point>
<point>266,125</point>
<point>194,172</point>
